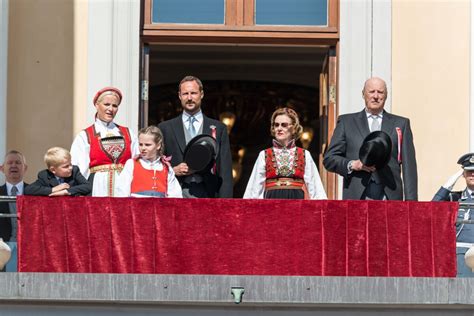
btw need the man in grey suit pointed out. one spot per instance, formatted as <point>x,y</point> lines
<point>177,132</point>
<point>342,157</point>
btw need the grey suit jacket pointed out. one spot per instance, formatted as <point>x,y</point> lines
<point>350,131</point>
<point>218,185</point>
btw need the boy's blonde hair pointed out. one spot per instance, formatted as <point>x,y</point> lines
<point>55,156</point>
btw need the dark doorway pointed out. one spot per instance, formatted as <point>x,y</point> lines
<point>246,81</point>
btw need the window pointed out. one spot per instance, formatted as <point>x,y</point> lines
<point>291,12</point>
<point>188,11</point>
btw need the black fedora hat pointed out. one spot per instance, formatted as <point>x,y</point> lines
<point>376,149</point>
<point>200,152</point>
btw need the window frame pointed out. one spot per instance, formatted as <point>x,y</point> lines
<point>239,27</point>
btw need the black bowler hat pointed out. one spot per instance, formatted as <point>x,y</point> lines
<point>376,149</point>
<point>467,161</point>
<point>200,152</point>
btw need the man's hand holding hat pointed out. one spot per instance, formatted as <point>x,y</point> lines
<point>357,165</point>
<point>374,153</point>
<point>200,153</point>
<point>182,170</point>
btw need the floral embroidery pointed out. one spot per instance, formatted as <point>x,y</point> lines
<point>285,161</point>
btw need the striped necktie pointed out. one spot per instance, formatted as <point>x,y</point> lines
<point>14,191</point>
<point>14,223</point>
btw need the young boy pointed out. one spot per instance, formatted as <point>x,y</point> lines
<point>61,177</point>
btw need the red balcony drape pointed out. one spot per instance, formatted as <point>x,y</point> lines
<point>235,236</point>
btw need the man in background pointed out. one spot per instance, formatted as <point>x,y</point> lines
<point>14,168</point>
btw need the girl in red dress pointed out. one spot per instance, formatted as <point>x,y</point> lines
<point>150,174</point>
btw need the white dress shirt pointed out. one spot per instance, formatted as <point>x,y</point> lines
<point>197,122</point>
<point>20,185</point>
<point>370,118</point>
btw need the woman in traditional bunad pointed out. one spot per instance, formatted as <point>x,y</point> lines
<point>285,171</point>
<point>101,150</point>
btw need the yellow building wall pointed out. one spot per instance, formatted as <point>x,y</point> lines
<point>43,74</point>
<point>430,83</point>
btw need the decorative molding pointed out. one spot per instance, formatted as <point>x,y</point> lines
<point>181,294</point>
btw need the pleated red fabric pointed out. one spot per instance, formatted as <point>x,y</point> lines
<point>238,237</point>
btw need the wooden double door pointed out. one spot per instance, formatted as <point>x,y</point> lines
<point>248,81</point>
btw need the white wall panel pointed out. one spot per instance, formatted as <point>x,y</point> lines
<point>113,54</point>
<point>365,49</point>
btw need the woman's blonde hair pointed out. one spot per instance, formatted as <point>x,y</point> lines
<point>295,121</point>
<point>157,137</point>
<point>56,156</point>
<point>106,93</point>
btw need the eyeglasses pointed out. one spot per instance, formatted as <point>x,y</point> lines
<point>284,124</point>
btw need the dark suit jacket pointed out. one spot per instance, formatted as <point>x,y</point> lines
<point>351,129</point>
<point>46,181</point>
<point>6,223</point>
<point>218,185</point>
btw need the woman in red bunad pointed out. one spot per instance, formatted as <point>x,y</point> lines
<point>101,150</point>
<point>285,171</point>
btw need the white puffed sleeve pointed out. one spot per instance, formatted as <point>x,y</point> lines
<point>312,179</point>
<point>80,153</point>
<point>124,180</point>
<point>256,185</point>
<point>174,189</point>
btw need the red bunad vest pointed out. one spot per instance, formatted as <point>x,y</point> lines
<point>101,160</point>
<point>148,181</point>
<point>276,181</point>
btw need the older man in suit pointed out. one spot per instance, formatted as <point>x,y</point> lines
<point>14,168</point>
<point>177,132</point>
<point>342,156</point>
